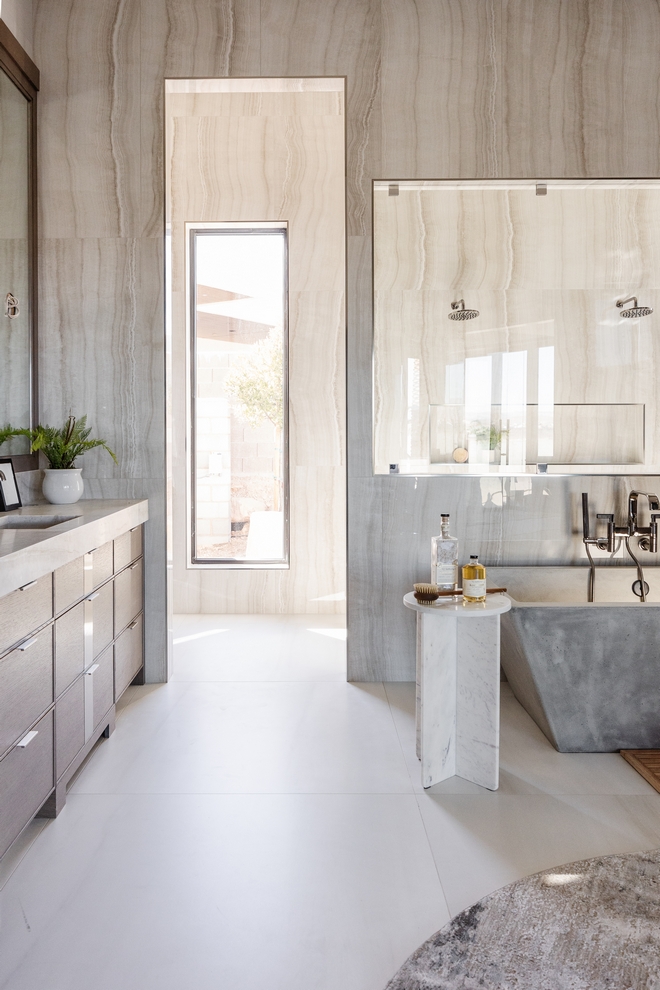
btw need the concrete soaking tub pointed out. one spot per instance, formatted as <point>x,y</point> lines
<point>587,673</point>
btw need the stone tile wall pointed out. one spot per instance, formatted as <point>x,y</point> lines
<point>436,89</point>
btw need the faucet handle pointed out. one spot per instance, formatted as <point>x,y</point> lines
<point>653,540</point>
<point>609,545</point>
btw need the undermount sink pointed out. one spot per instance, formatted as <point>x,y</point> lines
<point>33,522</point>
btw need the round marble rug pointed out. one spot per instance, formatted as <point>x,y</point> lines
<point>593,925</point>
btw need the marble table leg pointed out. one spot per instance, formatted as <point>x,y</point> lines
<point>458,705</point>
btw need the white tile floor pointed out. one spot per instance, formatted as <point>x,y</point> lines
<point>259,824</point>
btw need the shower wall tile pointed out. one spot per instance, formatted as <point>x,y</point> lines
<point>441,112</point>
<point>89,117</point>
<point>580,82</point>
<point>299,37</point>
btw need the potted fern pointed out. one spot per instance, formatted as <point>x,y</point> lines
<point>61,447</point>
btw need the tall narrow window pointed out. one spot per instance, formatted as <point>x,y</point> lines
<point>239,464</point>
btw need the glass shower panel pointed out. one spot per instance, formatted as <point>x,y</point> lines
<point>504,338</point>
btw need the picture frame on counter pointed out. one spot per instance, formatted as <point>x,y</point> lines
<point>9,494</point>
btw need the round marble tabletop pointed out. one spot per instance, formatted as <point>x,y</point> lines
<point>494,605</point>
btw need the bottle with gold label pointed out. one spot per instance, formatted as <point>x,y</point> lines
<point>474,580</point>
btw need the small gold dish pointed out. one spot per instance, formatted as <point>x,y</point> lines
<point>426,593</point>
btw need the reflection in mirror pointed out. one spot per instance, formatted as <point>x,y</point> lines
<point>505,339</point>
<point>15,332</point>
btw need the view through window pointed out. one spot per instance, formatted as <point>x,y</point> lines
<point>239,385</point>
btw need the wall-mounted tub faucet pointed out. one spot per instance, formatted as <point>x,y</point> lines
<point>647,537</point>
<point>648,534</point>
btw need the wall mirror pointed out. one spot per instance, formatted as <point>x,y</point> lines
<point>516,327</point>
<point>19,80</point>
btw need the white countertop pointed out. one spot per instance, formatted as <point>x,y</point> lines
<point>494,605</point>
<point>28,554</point>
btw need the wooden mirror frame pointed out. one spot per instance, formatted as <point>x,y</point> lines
<point>19,67</point>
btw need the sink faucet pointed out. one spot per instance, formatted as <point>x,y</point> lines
<point>647,536</point>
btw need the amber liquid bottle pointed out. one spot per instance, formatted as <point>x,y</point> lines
<point>474,581</point>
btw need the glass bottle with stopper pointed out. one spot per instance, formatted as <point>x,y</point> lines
<point>474,580</point>
<point>444,557</point>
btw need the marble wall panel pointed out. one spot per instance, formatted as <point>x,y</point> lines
<point>578,236</point>
<point>317,376</point>
<point>245,162</point>
<point>183,39</point>
<point>209,178</point>
<point>89,118</point>
<point>359,356</point>
<point>436,88</point>
<point>441,111</point>
<point>579,87</point>
<point>98,346</point>
<point>507,521</point>
<point>300,38</point>
<point>364,598</point>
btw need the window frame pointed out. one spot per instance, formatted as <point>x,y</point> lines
<point>193,230</point>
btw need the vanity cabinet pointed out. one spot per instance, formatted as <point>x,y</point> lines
<point>71,642</point>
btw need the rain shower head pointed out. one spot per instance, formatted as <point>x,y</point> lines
<point>634,311</point>
<point>459,312</point>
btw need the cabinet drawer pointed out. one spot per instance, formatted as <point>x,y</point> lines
<point>98,566</point>
<point>101,618</point>
<point>128,595</point>
<point>69,725</point>
<point>25,610</point>
<point>100,682</point>
<point>68,584</point>
<point>26,686</point>
<point>69,647</point>
<point>128,656</point>
<point>26,780</point>
<point>128,547</point>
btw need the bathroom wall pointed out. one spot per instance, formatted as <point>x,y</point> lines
<point>436,88</point>
<point>18,15</point>
<point>280,153</point>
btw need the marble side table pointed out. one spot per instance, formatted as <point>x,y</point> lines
<point>458,689</point>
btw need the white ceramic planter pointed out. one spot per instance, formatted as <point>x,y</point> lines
<point>61,487</point>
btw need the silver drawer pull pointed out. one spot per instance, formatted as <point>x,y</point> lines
<point>135,529</point>
<point>90,598</point>
<point>134,623</point>
<point>133,566</point>
<point>27,739</point>
<point>25,587</point>
<point>92,669</point>
<point>28,643</point>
